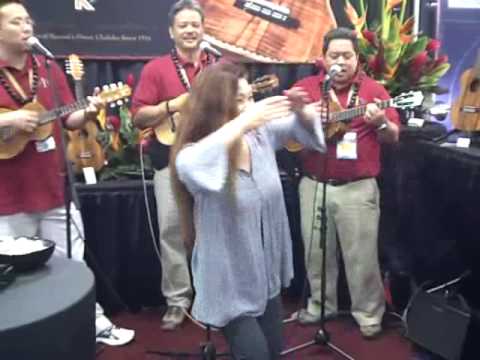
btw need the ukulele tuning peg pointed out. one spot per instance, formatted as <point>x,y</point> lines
<point>112,106</point>
<point>105,88</point>
<point>120,84</point>
<point>120,102</point>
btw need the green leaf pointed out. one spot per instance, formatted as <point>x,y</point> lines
<point>415,48</point>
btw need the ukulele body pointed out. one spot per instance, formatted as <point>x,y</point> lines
<point>466,110</point>
<point>15,141</point>
<point>84,150</point>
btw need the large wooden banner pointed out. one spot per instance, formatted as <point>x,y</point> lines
<point>250,30</point>
<point>128,29</point>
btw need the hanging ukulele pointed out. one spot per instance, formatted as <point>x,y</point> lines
<point>466,109</point>
<point>83,149</point>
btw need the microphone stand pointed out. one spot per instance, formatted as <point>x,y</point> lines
<point>322,337</point>
<point>70,193</point>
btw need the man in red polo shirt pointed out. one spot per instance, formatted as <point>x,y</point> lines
<point>160,94</point>
<point>349,168</point>
<point>32,199</point>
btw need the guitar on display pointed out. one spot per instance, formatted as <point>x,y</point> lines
<point>165,132</point>
<point>466,109</point>
<point>83,149</point>
<point>13,141</point>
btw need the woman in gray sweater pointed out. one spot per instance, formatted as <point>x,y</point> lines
<point>231,202</point>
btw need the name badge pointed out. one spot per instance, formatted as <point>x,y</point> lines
<point>45,145</point>
<point>347,147</point>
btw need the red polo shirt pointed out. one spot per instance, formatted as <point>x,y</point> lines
<point>159,81</point>
<point>33,181</point>
<point>367,163</point>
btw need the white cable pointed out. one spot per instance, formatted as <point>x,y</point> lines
<point>152,233</point>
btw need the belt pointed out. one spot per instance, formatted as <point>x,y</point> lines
<point>335,182</point>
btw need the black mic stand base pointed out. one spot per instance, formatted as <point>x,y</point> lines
<point>207,350</point>
<point>322,338</point>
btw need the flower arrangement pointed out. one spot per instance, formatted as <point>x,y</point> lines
<point>121,142</point>
<point>392,54</point>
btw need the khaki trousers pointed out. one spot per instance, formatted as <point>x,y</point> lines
<point>176,284</point>
<point>353,216</point>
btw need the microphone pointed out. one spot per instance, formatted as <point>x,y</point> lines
<point>35,45</point>
<point>205,46</point>
<point>334,70</point>
<point>327,83</point>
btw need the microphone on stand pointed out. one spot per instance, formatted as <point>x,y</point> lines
<point>207,47</point>
<point>36,46</point>
<point>334,70</point>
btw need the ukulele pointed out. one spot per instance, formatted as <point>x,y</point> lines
<point>165,132</point>
<point>13,140</point>
<point>466,109</point>
<point>269,31</point>
<point>337,124</point>
<point>83,149</point>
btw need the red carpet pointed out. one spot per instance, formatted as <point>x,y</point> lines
<point>391,345</point>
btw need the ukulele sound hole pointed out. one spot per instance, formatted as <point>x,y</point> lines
<point>475,85</point>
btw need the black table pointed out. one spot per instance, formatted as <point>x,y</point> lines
<point>119,243</point>
<point>431,210</point>
<point>49,314</point>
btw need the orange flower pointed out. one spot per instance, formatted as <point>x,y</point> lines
<point>115,141</point>
<point>392,3</point>
<point>357,21</point>
<point>406,39</point>
<point>407,26</point>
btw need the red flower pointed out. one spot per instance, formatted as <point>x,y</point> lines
<point>442,59</point>
<point>114,122</point>
<point>130,81</point>
<point>377,64</point>
<point>419,61</point>
<point>370,36</point>
<point>433,45</point>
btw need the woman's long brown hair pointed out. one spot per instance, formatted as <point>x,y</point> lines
<point>211,104</point>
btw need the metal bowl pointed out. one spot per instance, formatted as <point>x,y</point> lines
<point>31,260</point>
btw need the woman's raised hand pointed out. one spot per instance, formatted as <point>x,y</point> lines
<point>261,112</point>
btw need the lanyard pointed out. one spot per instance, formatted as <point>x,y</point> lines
<point>15,83</point>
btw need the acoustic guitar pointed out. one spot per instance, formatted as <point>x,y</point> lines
<point>83,149</point>
<point>269,31</point>
<point>465,113</point>
<point>13,140</point>
<point>165,132</point>
<point>339,118</point>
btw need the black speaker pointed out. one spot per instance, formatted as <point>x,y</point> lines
<point>438,322</point>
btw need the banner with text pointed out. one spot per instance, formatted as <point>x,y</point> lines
<point>107,29</point>
<point>253,30</point>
